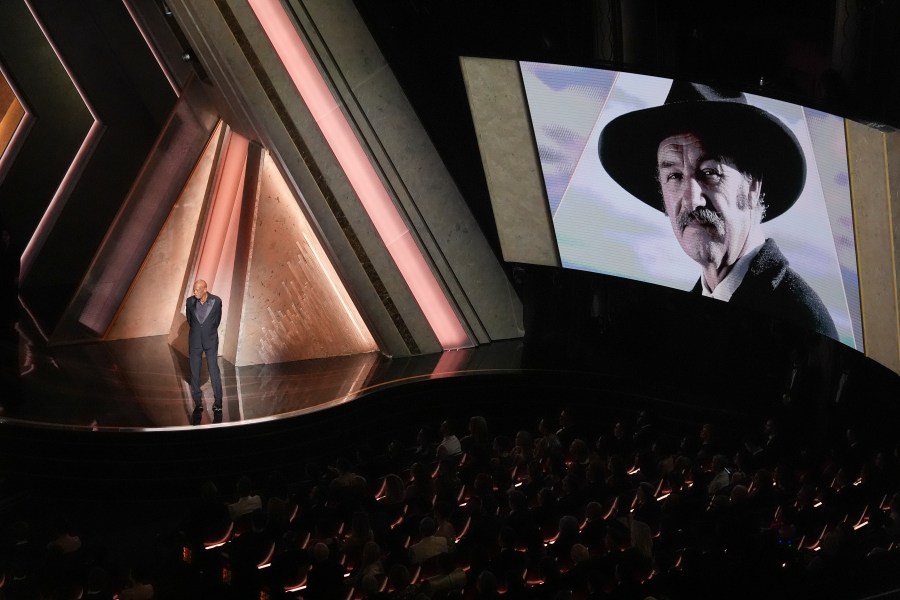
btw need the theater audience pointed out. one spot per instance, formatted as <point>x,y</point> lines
<point>636,517</point>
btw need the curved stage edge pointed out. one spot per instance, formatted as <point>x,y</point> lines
<point>143,384</point>
<point>120,412</point>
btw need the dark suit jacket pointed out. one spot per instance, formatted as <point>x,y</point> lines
<point>772,287</point>
<point>206,334</point>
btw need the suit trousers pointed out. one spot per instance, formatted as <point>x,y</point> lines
<point>215,377</point>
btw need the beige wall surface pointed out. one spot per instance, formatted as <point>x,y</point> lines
<point>874,158</point>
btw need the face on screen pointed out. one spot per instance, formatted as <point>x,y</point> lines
<point>713,208</point>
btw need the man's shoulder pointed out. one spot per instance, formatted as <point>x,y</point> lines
<point>788,294</point>
<point>768,262</point>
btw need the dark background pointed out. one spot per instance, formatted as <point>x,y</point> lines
<point>818,53</point>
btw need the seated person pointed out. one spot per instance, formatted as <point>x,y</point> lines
<point>326,577</point>
<point>429,544</point>
<point>247,502</point>
<point>449,445</point>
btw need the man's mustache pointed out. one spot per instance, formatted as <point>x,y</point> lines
<point>703,216</point>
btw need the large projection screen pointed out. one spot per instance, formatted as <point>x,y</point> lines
<point>602,228</point>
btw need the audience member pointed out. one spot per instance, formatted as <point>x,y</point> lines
<point>326,576</point>
<point>247,501</point>
<point>721,477</point>
<point>138,587</point>
<point>429,544</point>
<point>450,445</point>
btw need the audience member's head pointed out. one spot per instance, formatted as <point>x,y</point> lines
<point>427,527</point>
<point>486,584</point>
<point>579,554</point>
<point>478,428</point>
<point>321,552</point>
<point>244,486</point>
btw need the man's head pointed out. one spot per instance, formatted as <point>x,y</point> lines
<point>703,158</point>
<point>200,290</point>
<point>714,207</point>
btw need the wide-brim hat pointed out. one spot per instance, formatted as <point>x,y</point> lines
<point>755,140</point>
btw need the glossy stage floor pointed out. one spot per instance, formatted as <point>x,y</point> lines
<point>144,384</point>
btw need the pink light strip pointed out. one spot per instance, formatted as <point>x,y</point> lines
<point>227,188</point>
<point>362,176</point>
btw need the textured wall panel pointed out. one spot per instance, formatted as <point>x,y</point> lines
<point>157,294</point>
<point>294,305</point>
<point>873,213</point>
<point>510,160</point>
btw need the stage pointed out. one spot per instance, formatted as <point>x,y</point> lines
<point>143,383</point>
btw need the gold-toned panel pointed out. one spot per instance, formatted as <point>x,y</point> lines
<point>157,292</point>
<point>11,113</point>
<point>294,306</point>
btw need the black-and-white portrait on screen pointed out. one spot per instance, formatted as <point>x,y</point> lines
<point>737,197</point>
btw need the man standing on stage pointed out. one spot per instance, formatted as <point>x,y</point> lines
<point>204,313</point>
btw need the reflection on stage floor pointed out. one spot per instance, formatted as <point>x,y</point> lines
<point>144,383</point>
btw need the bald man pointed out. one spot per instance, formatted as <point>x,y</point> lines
<point>204,313</point>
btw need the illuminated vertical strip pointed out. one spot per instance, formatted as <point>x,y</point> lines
<point>890,217</point>
<point>226,194</point>
<point>335,289</point>
<point>362,176</point>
